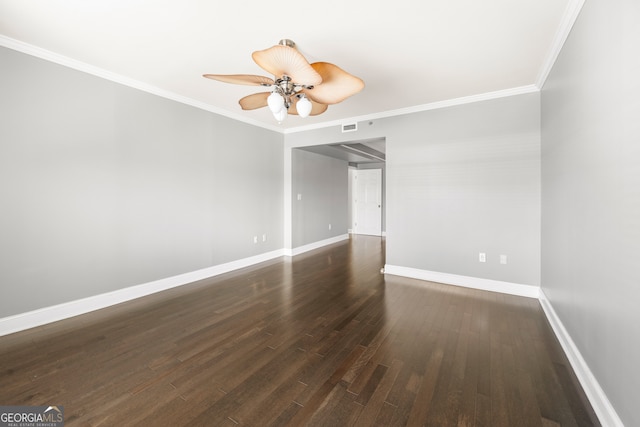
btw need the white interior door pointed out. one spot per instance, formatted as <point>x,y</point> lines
<point>368,202</point>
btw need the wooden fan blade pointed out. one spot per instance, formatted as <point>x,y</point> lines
<point>241,79</point>
<point>254,101</point>
<point>316,107</point>
<point>283,60</point>
<point>337,85</point>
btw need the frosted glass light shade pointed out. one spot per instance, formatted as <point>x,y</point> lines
<point>304,107</point>
<point>280,115</point>
<point>275,102</point>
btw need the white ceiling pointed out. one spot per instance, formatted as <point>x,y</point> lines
<point>409,53</point>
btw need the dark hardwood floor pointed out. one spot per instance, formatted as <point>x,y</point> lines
<point>320,339</point>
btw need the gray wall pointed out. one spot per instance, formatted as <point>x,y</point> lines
<point>104,186</point>
<point>465,180</point>
<point>323,184</point>
<point>591,195</point>
<point>460,180</point>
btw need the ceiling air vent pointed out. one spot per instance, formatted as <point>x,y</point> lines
<point>352,127</point>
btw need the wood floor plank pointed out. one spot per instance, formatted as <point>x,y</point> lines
<point>318,339</point>
<point>335,410</point>
<point>375,403</point>
<point>469,390</point>
<point>269,408</point>
<point>447,399</point>
<point>483,411</point>
<point>319,398</point>
<point>372,385</point>
<point>385,415</point>
<point>420,409</point>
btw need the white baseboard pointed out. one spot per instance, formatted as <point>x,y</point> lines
<point>311,246</point>
<point>42,316</point>
<point>31,319</point>
<point>465,281</point>
<point>598,399</point>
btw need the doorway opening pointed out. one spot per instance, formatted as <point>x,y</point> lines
<point>366,201</point>
<point>365,206</point>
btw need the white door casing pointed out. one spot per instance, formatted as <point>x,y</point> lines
<point>368,202</point>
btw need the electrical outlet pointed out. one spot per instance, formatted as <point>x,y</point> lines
<point>482,257</point>
<point>255,239</point>
<point>503,259</point>
<point>329,226</point>
<point>264,237</point>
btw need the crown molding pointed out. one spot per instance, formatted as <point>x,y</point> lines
<point>124,80</point>
<point>47,55</point>
<point>424,107</point>
<point>568,19</point>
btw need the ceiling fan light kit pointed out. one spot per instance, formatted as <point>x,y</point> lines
<point>304,107</point>
<point>298,87</point>
<point>275,102</point>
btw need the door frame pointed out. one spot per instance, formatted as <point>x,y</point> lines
<point>354,204</point>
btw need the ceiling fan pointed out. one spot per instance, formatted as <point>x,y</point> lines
<point>297,87</point>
